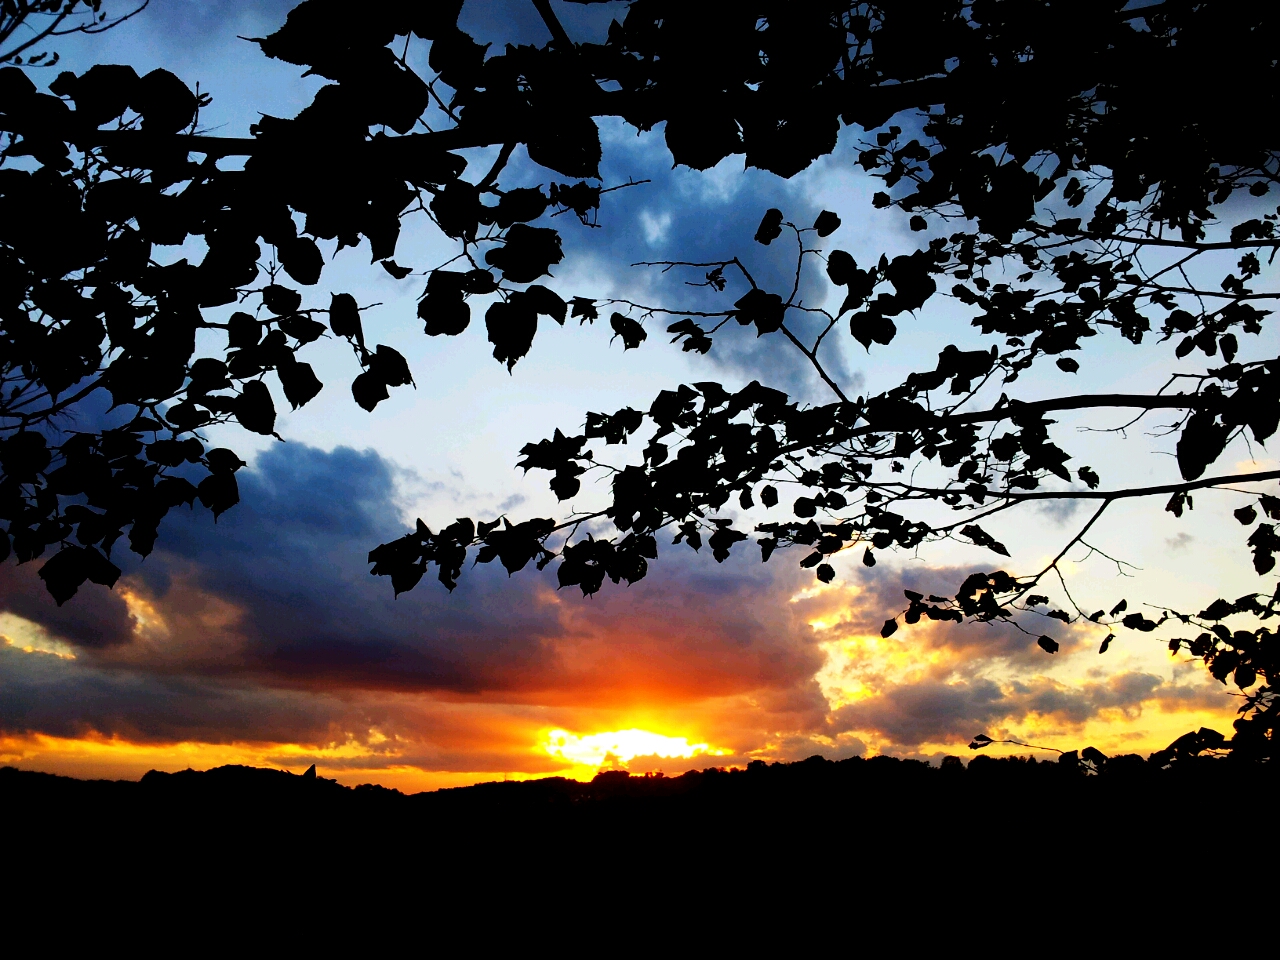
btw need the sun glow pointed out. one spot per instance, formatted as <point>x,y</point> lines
<point>30,637</point>
<point>619,746</point>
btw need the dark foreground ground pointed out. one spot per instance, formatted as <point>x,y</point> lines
<point>785,857</point>
<point>1124,850</point>
<point>1044,822</point>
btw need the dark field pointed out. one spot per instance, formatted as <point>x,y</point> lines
<point>941,834</point>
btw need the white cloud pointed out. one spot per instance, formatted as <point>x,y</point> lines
<point>655,226</point>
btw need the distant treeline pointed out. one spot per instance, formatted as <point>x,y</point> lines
<point>946,832</point>
<point>809,778</point>
<point>228,793</point>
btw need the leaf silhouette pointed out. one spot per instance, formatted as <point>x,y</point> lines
<point>344,317</point>
<point>984,539</point>
<point>511,326</point>
<point>443,307</point>
<point>770,226</point>
<point>630,331</point>
<point>369,390</point>
<point>67,570</point>
<point>302,260</point>
<point>826,224</point>
<point>765,310</point>
<point>546,303</point>
<point>255,409</point>
<point>529,253</point>
<point>281,300</point>
<point>299,381</point>
<point>567,143</point>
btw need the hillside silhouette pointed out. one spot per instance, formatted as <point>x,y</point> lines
<point>952,828</point>
<point>237,789</point>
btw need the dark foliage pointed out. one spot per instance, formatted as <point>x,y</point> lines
<point>266,833</point>
<point>1021,114</point>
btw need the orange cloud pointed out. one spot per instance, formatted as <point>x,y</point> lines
<point>260,645</point>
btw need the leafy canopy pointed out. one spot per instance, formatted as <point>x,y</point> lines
<point>1075,170</point>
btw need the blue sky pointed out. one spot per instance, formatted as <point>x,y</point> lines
<point>263,638</point>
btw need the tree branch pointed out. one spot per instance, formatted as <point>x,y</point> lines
<point>1012,409</point>
<point>1053,564</point>
<point>1177,401</point>
<point>20,12</point>
<point>813,359</point>
<point>453,139</point>
<point>549,17</point>
<point>1107,495</point>
<point>1164,242</point>
<point>503,156</point>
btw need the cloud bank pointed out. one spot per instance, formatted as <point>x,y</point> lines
<point>266,629</point>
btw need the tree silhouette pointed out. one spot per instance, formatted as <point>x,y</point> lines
<point>992,125</point>
<point>26,24</point>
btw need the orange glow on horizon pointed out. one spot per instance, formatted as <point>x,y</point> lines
<point>616,748</point>
<point>839,690</point>
<point>100,758</point>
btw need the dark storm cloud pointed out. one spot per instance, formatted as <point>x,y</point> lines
<point>306,637</point>
<point>882,596</point>
<point>53,696</point>
<point>928,711</point>
<point>271,629</point>
<point>292,557</point>
<point>290,561</point>
<point>933,711</point>
<point>96,619</point>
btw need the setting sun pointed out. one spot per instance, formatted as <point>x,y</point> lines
<point>620,746</point>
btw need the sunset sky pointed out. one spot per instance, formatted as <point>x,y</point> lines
<point>264,640</point>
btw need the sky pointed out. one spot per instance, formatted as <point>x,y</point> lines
<point>263,639</point>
